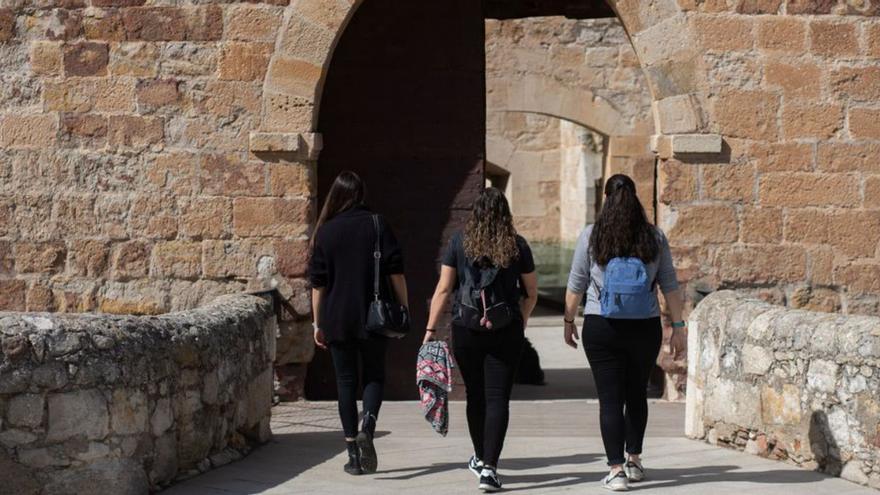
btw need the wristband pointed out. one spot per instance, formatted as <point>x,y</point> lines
<point>679,324</point>
<point>430,330</point>
<point>315,326</point>
<point>568,321</point>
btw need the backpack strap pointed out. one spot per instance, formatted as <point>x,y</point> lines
<point>377,257</point>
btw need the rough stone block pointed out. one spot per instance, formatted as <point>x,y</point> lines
<point>103,24</point>
<point>86,59</point>
<point>153,216</point>
<point>85,129</point>
<point>128,412</point>
<point>46,58</point>
<point>244,61</point>
<point>238,258</point>
<point>26,410</point>
<point>253,23</point>
<point>293,77</point>
<point>724,33</point>
<point>154,24</point>
<point>157,93</point>
<point>77,414</point>
<point>205,218</point>
<point>130,260</point>
<point>747,114</point>
<point>810,6</point>
<point>758,264</point>
<point>858,83</point>
<point>284,113</point>
<point>782,34</point>
<point>701,224</point>
<point>28,131</point>
<point>177,259</point>
<point>802,189</point>
<point>800,80</point>
<point>39,257</point>
<point>696,143</point>
<point>140,297</point>
<point>756,360</point>
<point>777,157</point>
<point>103,476</point>
<point>859,278</point>
<point>809,120</point>
<point>834,38</point>
<point>677,114</point>
<point>134,59</point>
<point>270,217</point>
<point>849,157</point>
<point>204,23</point>
<point>864,123</point>
<point>677,181</point>
<point>136,132</point>
<point>822,375</point>
<point>87,258</point>
<point>761,225</point>
<point>226,175</point>
<point>729,182</point>
<point>7,24</point>
<point>86,95</point>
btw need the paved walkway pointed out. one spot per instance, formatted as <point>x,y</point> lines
<point>553,445</point>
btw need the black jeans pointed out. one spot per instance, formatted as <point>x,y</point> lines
<point>345,360</point>
<point>488,361</point>
<point>622,354</point>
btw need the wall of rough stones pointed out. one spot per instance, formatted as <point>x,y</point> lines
<point>789,208</point>
<point>97,404</point>
<point>126,181</point>
<point>786,384</point>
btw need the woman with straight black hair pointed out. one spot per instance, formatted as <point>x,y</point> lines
<point>341,271</point>
<point>491,271</point>
<point>619,261</point>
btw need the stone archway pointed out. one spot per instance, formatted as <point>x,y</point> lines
<point>660,33</point>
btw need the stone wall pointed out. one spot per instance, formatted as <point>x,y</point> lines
<point>126,404</point>
<point>789,207</point>
<point>126,180</point>
<point>786,384</point>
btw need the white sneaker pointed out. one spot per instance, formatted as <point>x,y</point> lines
<point>634,471</point>
<point>616,482</point>
<point>489,481</point>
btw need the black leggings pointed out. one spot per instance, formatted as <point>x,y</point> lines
<point>622,354</point>
<point>488,361</point>
<point>345,361</point>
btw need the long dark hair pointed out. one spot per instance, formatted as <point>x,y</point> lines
<point>622,229</point>
<point>347,191</point>
<point>489,233</point>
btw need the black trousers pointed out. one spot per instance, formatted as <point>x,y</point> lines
<point>488,361</point>
<point>622,354</point>
<point>371,354</point>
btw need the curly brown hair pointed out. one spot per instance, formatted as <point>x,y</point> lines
<point>490,234</point>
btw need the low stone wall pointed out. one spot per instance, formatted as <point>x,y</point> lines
<point>786,384</point>
<point>98,404</point>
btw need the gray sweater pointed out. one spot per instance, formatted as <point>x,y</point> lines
<point>586,275</point>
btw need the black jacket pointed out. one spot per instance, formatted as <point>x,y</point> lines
<point>342,262</point>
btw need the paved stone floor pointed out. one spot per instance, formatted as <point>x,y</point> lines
<point>553,445</point>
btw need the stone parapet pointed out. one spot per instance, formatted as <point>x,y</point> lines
<point>127,404</point>
<point>786,384</point>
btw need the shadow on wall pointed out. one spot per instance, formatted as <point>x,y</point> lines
<point>823,445</point>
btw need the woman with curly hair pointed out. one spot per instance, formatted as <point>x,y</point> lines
<point>619,262</point>
<point>491,271</point>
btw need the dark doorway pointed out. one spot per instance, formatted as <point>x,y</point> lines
<point>404,106</point>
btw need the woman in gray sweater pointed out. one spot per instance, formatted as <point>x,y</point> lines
<point>619,262</point>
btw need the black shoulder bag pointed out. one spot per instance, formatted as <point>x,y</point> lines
<point>388,318</point>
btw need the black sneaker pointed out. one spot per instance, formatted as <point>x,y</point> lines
<point>489,481</point>
<point>353,466</point>
<point>475,465</point>
<point>369,459</point>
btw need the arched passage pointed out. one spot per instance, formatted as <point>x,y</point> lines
<point>299,85</point>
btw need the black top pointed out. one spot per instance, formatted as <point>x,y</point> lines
<point>342,262</point>
<point>509,277</point>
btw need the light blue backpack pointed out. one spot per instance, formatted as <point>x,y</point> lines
<point>628,292</point>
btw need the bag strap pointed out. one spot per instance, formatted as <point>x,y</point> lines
<point>377,258</point>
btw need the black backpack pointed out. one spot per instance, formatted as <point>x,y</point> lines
<point>482,305</point>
